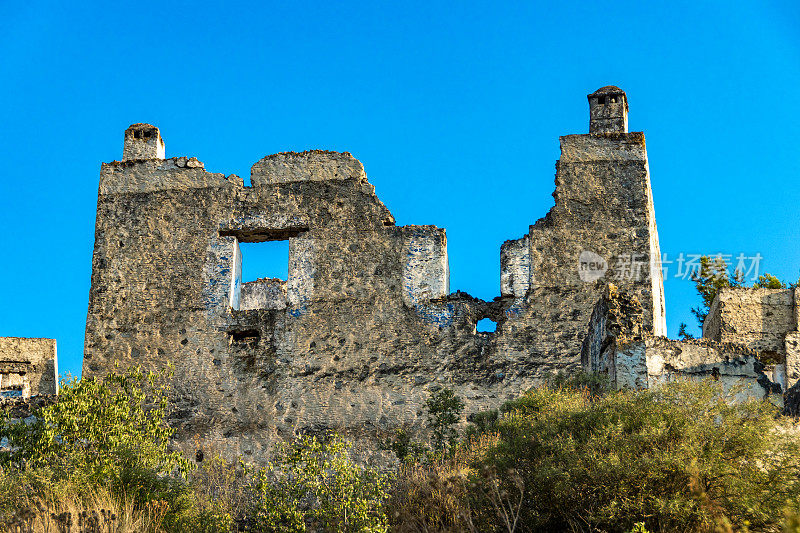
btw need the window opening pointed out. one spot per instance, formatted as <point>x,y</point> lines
<point>486,325</point>
<point>261,260</point>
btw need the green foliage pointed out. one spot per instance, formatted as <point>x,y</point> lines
<point>683,457</point>
<point>111,436</point>
<point>683,334</point>
<point>313,484</point>
<point>444,412</point>
<point>108,432</point>
<point>712,277</point>
<point>678,458</point>
<point>595,383</point>
<point>482,422</point>
<point>709,279</point>
<point>569,455</point>
<point>404,448</point>
<point>768,281</point>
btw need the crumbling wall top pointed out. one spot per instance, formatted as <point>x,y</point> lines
<point>137,176</point>
<point>311,165</point>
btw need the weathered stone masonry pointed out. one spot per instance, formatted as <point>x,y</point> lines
<point>28,366</point>
<point>766,321</point>
<point>618,345</point>
<point>365,325</point>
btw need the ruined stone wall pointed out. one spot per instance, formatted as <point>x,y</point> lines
<point>757,318</point>
<point>356,343</point>
<point>618,346</point>
<point>28,366</point>
<point>764,320</point>
<point>365,326</point>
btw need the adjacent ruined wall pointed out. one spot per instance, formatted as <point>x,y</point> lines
<point>618,346</point>
<point>28,366</point>
<point>765,320</point>
<point>617,321</point>
<point>758,318</point>
<point>365,327</point>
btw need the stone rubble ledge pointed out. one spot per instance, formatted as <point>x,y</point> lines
<point>312,165</point>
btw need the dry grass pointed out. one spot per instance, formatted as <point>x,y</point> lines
<point>435,497</point>
<point>98,512</point>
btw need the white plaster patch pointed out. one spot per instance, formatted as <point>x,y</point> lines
<point>426,271</point>
<point>236,276</point>
<point>515,265</point>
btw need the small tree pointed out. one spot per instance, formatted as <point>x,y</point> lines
<point>444,412</point>
<point>712,277</point>
<point>683,333</point>
<point>404,447</point>
<point>768,281</point>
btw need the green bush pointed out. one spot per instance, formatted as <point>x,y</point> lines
<point>444,413</point>
<point>313,484</point>
<point>108,435</point>
<point>107,441</point>
<point>565,456</point>
<point>680,458</point>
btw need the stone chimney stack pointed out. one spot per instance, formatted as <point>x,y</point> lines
<point>142,141</point>
<point>608,110</point>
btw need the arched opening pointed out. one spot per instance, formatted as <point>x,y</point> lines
<point>486,325</point>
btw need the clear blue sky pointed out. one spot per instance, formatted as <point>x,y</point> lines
<point>454,108</point>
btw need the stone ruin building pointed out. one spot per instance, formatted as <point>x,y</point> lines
<point>764,320</point>
<point>365,327</point>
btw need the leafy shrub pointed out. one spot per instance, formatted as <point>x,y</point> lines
<point>768,281</point>
<point>100,432</point>
<point>107,435</point>
<point>444,413</point>
<point>313,484</point>
<point>404,447</point>
<point>482,422</point>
